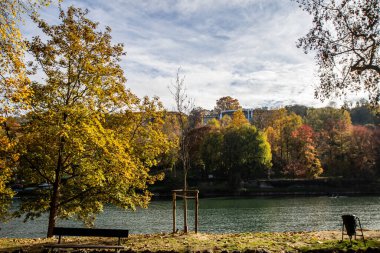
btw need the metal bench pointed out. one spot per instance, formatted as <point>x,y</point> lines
<point>89,232</point>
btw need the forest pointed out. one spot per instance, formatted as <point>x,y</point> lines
<point>293,142</point>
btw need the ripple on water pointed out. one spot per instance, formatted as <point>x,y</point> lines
<point>225,215</point>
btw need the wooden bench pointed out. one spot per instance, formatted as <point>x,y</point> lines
<point>90,232</point>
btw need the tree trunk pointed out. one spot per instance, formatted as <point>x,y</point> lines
<point>185,226</point>
<point>55,197</point>
<point>53,208</point>
<point>57,182</point>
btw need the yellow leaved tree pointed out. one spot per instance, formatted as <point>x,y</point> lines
<point>86,136</point>
<point>239,120</point>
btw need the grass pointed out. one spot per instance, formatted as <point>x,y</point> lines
<point>342,245</point>
<point>201,242</point>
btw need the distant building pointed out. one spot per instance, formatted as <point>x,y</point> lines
<point>248,113</point>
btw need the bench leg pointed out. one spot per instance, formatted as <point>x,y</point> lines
<point>118,244</point>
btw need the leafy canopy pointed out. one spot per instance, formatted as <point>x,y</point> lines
<point>86,135</point>
<point>227,103</point>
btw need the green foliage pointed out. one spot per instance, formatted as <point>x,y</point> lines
<point>245,150</point>
<point>211,153</point>
<point>236,152</point>
<point>214,123</point>
<point>85,135</point>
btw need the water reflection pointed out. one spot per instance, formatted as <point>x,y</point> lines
<point>226,215</point>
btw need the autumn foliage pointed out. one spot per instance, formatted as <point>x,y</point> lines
<point>85,134</point>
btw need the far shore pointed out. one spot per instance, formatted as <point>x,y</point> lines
<point>316,241</point>
<point>332,187</point>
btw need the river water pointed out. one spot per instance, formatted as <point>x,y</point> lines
<point>225,215</point>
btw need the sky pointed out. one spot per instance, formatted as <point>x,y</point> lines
<point>240,48</point>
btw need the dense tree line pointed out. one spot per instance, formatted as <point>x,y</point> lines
<point>292,142</point>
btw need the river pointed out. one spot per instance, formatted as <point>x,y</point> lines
<point>225,215</point>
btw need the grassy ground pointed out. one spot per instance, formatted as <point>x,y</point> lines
<point>266,242</point>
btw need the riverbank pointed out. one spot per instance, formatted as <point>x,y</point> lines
<point>333,187</point>
<point>323,241</point>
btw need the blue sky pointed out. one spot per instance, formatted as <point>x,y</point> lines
<point>241,48</point>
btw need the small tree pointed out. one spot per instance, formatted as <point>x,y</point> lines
<point>184,105</point>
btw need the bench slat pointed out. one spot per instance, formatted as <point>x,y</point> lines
<point>61,231</point>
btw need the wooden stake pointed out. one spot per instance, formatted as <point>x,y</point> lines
<point>196,211</point>
<point>185,227</point>
<point>174,210</point>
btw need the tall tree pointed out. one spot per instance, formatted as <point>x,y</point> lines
<point>227,103</point>
<point>279,135</point>
<point>345,37</point>
<point>305,162</point>
<point>69,140</point>
<point>245,150</point>
<point>332,127</point>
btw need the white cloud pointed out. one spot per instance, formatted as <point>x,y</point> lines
<point>242,48</point>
